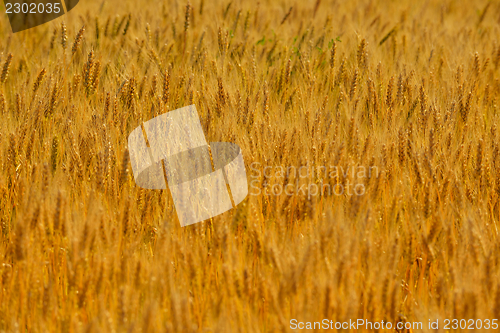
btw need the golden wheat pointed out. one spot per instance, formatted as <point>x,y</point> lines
<point>409,89</point>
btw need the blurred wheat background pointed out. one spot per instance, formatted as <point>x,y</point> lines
<point>409,87</point>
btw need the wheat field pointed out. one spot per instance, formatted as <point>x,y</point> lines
<point>409,88</point>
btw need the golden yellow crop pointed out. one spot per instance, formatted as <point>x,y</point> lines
<point>408,87</point>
